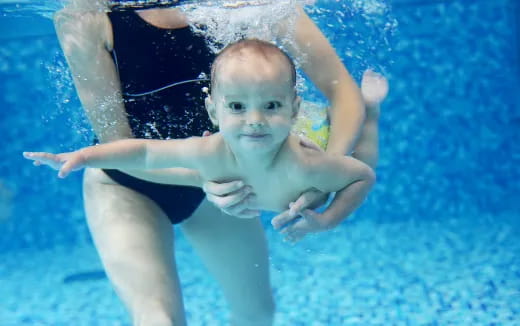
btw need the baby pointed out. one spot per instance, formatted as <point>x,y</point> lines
<point>253,101</point>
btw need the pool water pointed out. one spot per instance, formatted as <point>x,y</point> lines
<point>436,242</point>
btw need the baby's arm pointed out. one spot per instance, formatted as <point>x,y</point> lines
<point>137,154</point>
<point>350,177</point>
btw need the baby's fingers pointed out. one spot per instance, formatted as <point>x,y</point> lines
<point>40,158</point>
<point>31,155</point>
<point>70,165</point>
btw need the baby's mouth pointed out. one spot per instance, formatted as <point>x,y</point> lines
<point>255,135</point>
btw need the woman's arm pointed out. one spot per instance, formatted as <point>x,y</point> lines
<point>321,63</point>
<point>86,40</point>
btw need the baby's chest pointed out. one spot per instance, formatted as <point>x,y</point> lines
<point>276,191</point>
<point>274,188</point>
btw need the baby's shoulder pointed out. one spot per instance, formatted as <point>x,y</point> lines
<point>306,157</point>
<point>213,151</point>
<point>216,160</point>
<point>212,146</point>
<point>306,148</point>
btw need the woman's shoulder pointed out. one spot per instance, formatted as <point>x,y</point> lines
<point>85,23</point>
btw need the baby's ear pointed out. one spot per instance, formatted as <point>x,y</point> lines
<point>212,110</point>
<point>296,106</point>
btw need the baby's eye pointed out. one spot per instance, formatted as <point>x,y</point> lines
<point>236,106</point>
<point>273,105</point>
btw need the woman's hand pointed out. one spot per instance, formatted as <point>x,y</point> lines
<point>64,162</point>
<point>299,220</point>
<point>233,198</point>
<point>295,225</point>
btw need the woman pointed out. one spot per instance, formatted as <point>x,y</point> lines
<point>118,59</point>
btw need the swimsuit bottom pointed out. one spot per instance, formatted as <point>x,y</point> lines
<point>177,202</point>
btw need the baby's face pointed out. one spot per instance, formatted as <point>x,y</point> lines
<point>255,103</point>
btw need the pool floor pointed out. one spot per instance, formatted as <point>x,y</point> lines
<point>463,271</point>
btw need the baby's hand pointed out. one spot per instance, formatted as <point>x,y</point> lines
<point>64,162</point>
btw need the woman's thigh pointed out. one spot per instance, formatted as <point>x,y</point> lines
<point>235,252</point>
<point>134,239</point>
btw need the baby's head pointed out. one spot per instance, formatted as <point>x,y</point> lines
<point>253,97</point>
<point>248,51</point>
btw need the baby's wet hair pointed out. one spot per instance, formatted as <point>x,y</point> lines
<point>259,47</point>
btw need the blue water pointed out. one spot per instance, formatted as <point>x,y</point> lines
<point>436,243</point>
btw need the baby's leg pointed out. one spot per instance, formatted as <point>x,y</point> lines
<point>235,251</point>
<point>374,88</point>
<point>134,240</point>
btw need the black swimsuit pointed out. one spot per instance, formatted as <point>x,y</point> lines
<point>149,58</point>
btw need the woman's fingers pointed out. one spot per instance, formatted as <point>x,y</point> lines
<point>294,237</point>
<point>246,213</point>
<point>233,198</point>
<point>241,207</point>
<point>306,200</point>
<point>222,189</point>
<point>295,232</point>
<point>281,220</point>
<point>307,222</point>
<point>309,199</point>
<point>228,200</point>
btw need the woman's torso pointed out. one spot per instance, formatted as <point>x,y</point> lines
<point>148,58</point>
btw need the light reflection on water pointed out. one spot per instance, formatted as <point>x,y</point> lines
<point>28,8</point>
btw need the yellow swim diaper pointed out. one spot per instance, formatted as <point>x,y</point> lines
<point>313,122</point>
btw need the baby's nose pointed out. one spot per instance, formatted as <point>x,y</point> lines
<point>255,118</point>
